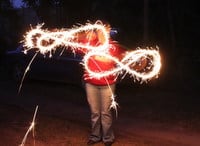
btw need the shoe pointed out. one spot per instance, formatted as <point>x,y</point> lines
<point>91,142</point>
<point>108,143</point>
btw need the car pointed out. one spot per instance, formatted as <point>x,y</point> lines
<point>63,66</point>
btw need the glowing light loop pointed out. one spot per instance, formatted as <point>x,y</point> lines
<point>124,64</point>
<point>47,41</point>
<point>36,37</point>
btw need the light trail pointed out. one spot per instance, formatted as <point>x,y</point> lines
<point>26,70</point>
<point>31,127</point>
<point>124,65</point>
<point>46,41</point>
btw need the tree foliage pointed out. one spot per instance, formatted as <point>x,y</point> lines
<point>5,4</point>
<point>60,12</point>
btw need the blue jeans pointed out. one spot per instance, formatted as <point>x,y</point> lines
<point>99,99</point>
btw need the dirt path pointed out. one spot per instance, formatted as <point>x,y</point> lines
<point>63,119</point>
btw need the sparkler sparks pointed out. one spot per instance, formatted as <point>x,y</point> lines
<point>47,41</point>
<point>126,62</point>
<point>31,127</point>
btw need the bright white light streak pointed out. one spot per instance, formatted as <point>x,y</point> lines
<point>124,64</point>
<point>47,41</point>
<point>31,127</point>
<point>35,38</point>
<point>26,70</point>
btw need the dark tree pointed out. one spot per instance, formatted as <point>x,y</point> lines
<point>61,13</point>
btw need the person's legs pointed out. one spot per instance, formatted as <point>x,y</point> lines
<point>93,98</point>
<point>106,114</point>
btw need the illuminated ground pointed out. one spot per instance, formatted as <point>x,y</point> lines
<point>146,117</point>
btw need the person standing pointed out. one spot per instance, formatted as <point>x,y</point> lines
<point>100,90</point>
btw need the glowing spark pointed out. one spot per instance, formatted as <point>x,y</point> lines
<point>31,127</point>
<point>47,41</point>
<point>35,38</point>
<point>124,64</point>
<point>26,70</point>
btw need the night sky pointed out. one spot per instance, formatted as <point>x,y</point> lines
<point>17,3</point>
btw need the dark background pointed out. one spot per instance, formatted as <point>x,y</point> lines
<point>171,25</point>
<point>167,107</point>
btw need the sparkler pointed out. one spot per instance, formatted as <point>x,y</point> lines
<point>47,41</point>
<point>31,127</point>
<point>125,64</point>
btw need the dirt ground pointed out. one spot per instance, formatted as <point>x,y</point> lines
<point>146,117</point>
